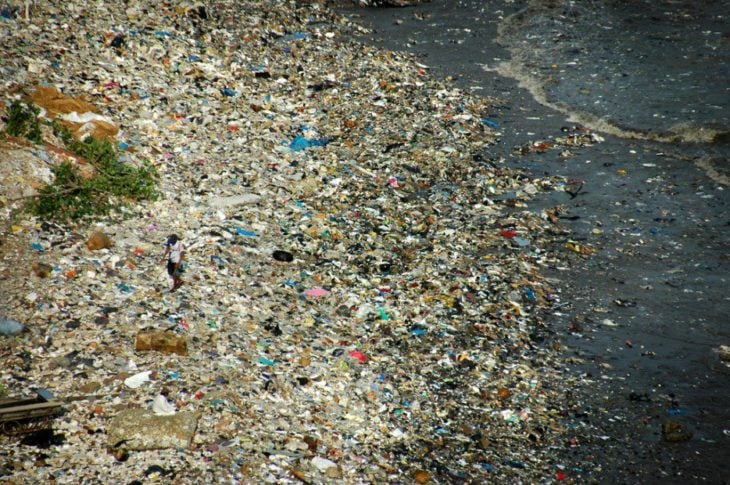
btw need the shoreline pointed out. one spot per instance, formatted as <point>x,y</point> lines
<point>407,336</point>
<point>399,341</point>
<point>637,372</point>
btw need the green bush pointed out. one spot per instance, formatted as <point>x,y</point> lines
<point>70,196</point>
<point>23,121</point>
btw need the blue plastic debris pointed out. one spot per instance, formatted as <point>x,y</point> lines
<point>295,36</point>
<point>124,288</point>
<point>245,232</point>
<point>37,246</point>
<point>676,412</point>
<point>228,92</point>
<point>492,124</point>
<point>521,242</point>
<point>10,327</point>
<point>301,143</point>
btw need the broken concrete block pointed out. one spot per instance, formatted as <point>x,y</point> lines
<point>141,429</point>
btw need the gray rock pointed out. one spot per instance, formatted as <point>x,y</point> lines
<point>141,429</point>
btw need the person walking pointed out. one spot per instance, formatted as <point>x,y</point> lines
<point>174,252</point>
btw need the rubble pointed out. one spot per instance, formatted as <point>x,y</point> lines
<point>139,429</point>
<point>362,298</point>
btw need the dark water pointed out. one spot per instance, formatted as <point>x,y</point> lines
<point>636,69</point>
<point>652,78</point>
<point>639,68</point>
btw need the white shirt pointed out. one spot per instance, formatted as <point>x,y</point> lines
<point>175,252</point>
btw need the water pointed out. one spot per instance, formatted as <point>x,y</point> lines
<point>641,69</point>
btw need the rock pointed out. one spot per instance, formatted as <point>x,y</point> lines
<point>140,429</point>
<point>674,432</point>
<point>162,342</point>
<point>98,240</point>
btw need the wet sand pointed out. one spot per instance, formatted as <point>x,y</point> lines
<point>639,319</point>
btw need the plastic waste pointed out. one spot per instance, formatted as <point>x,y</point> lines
<point>322,464</point>
<point>10,327</point>
<point>137,380</point>
<point>316,292</point>
<point>285,256</point>
<point>301,143</point>
<point>161,406</point>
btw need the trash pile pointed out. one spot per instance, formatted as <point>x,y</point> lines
<point>361,297</point>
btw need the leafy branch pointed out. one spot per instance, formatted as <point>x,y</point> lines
<point>71,195</point>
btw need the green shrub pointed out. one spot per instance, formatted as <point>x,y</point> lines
<point>70,196</point>
<point>23,122</point>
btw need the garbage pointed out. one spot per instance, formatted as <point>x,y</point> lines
<point>284,256</point>
<point>421,476</point>
<point>137,380</point>
<point>302,143</point>
<point>98,240</point>
<point>363,283</point>
<point>20,416</point>
<point>323,464</point>
<point>161,407</point>
<point>356,354</point>
<point>140,429</point>
<point>316,292</point>
<point>674,432</point>
<point>10,327</point>
<point>724,352</point>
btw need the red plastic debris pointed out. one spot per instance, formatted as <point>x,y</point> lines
<point>358,355</point>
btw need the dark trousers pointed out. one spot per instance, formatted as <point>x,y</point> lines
<point>171,269</point>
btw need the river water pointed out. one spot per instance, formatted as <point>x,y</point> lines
<point>643,317</point>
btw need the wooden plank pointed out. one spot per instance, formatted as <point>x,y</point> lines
<point>27,411</point>
<point>4,403</point>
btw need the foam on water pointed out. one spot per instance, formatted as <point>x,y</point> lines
<point>681,133</point>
